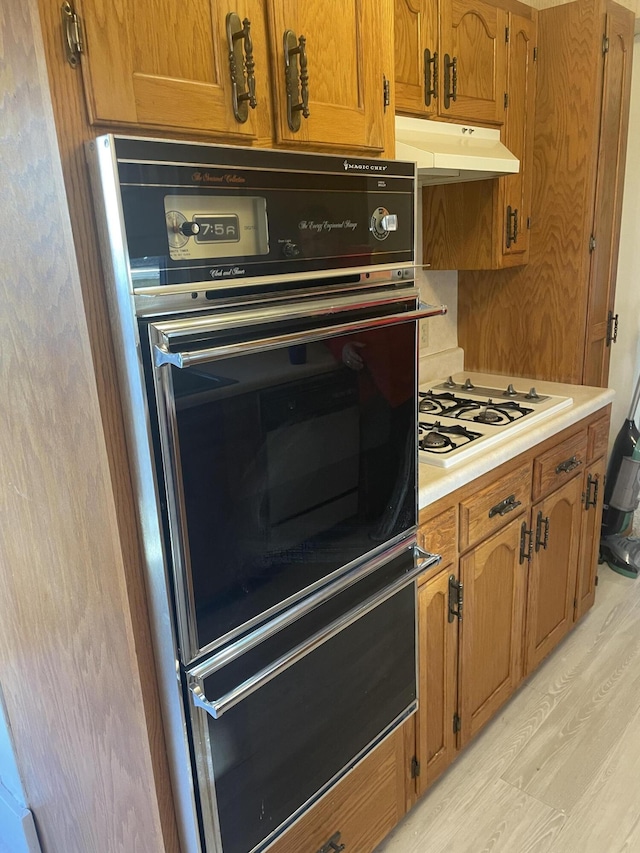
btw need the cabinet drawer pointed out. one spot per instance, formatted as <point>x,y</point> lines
<point>363,807</point>
<point>439,536</point>
<point>561,463</point>
<point>598,438</point>
<point>489,509</point>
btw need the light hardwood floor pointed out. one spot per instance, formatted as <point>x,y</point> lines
<point>558,770</point>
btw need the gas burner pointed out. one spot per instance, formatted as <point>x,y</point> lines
<point>441,438</point>
<point>436,404</point>
<point>489,415</point>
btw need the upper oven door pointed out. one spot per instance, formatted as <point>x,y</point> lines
<point>287,441</point>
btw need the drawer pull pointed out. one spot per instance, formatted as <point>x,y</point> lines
<point>568,465</point>
<point>333,845</point>
<point>542,542</point>
<point>595,482</point>
<point>505,506</point>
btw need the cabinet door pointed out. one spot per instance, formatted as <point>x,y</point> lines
<point>437,661</point>
<point>346,58</point>
<point>614,119</point>
<point>473,55</point>
<point>519,124</point>
<point>416,55</point>
<point>494,584</point>
<point>552,574</point>
<point>166,65</point>
<point>592,495</point>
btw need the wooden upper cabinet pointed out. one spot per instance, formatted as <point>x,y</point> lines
<point>166,65</point>
<point>614,118</point>
<point>521,93</point>
<point>416,56</point>
<point>473,60</point>
<point>347,49</point>
<point>450,59</point>
<point>171,66</point>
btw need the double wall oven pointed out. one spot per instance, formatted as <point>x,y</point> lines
<point>265,317</point>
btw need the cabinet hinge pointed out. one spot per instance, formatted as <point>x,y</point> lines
<point>506,100</point>
<point>386,93</point>
<point>507,35</point>
<point>592,243</point>
<point>457,722</point>
<point>575,603</point>
<point>605,44</point>
<point>528,222</point>
<point>596,580</point>
<point>415,768</point>
<point>535,54</point>
<point>72,34</point>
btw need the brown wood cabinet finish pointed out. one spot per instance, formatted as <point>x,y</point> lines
<point>545,320</point>
<point>494,584</point>
<point>555,530</point>
<point>437,668</point>
<point>451,59</point>
<point>592,500</point>
<point>363,807</point>
<point>138,74</point>
<point>439,536</point>
<point>484,224</point>
<point>512,607</point>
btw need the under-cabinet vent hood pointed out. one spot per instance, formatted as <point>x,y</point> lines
<point>451,153</point>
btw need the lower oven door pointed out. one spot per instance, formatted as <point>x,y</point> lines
<point>274,728</point>
<point>287,443</point>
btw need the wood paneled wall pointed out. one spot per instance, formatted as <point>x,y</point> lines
<point>69,658</point>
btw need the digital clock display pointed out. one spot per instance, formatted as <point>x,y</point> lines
<point>217,229</point>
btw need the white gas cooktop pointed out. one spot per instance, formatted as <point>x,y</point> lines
<point>458,420</point>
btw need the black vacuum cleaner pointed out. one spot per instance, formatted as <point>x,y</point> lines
<point>621,498</point>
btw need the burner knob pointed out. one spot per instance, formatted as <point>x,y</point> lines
<point>468,385</point>
<point>449,383</point>
<point>532,395</point>
<point>511,391</point>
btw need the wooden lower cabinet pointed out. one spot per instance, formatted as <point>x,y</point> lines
<point>361,809</point>
<point>494,590</point>
<point>437,676</point>
<point>555,531</point>
<point>592,497</point>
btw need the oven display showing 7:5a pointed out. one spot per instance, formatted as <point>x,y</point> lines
<point>217,229</point>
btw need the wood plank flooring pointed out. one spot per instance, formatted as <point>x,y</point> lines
<point>558,770</point>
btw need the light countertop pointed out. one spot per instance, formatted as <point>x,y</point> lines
<point>435,483</point>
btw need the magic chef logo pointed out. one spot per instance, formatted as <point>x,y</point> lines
<point>364,167</point>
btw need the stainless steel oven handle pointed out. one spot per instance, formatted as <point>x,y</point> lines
<point>187,359</point>
<point>217,707</point>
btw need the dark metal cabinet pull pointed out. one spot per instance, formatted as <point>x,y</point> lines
<point>450,80</point>
<point>430,76</point>
<point>568,465</point>
<point>542,541</point>
<point>512,225</point>
<point>333,845</point>
<point>456,600</point>
<point>595,482</point>
<point>525,549</point>
<point>505,506</point>
<point>294,49</point>
<point>243,90</point>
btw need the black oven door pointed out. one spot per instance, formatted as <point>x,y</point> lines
<point>287,445</point>
<point>276,726</point>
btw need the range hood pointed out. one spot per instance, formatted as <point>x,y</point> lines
<point>451,153</point>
